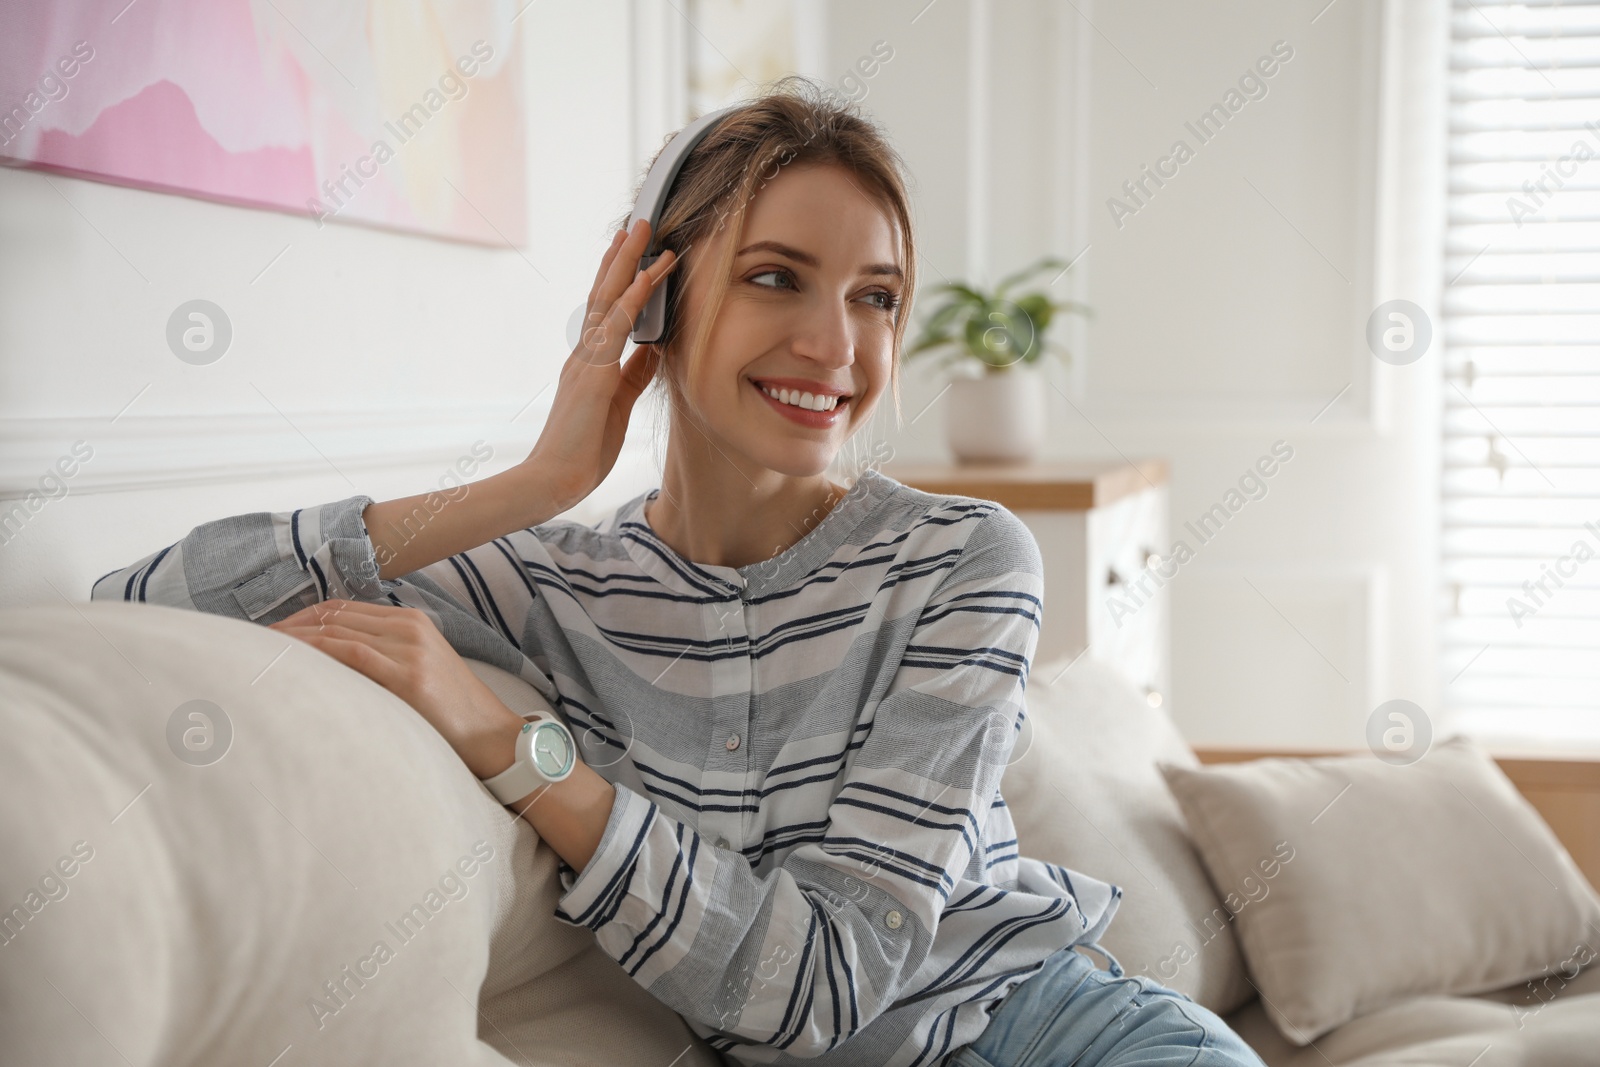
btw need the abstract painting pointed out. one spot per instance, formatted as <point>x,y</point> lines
<point>404,115</point>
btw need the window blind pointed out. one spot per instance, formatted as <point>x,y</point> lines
<point>1521,349</point>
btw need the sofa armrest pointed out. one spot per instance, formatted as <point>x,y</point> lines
<point>1564,788</point>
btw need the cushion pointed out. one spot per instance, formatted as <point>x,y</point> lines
<point>221,845</point>
<point>1084,792</point>
<point>1360,883</point>
<point>1428,1030</point>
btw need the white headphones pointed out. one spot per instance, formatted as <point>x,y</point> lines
<point>652,325</point>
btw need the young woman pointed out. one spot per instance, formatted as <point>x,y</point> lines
<point>794,698</point>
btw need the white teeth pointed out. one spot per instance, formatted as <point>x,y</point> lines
<point>795,398</point>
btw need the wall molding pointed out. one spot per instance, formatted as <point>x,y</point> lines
<point>660,77</point>
<point>978,123</point>
<point>1362,405</point>
<point>135,452</point>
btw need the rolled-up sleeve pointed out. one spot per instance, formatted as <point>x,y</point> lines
<point>804,955</point>
<point>264,564</point>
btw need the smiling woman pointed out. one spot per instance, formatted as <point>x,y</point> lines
<point>783,357</point>
<point>796,699</point>
<point>796,233</point>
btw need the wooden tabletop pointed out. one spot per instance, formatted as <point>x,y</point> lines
<point>1045,485</point>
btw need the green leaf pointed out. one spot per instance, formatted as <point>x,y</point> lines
<point>1047,263</point>
<point>943,317</point>
<point>993,330</point>
<point>1039,308</point>
<point>966,291</point>
<point>1001,335</point>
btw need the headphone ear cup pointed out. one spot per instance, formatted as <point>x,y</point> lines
<point>669,306</point>
<point>651,325</point>
<point>659,313</point>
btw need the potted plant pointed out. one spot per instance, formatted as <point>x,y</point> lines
<point>996,409</point>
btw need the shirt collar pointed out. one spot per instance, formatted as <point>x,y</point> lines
<point>706,580</point>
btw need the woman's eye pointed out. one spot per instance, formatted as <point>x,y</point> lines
<point>886,301</point>
<point>772,274</point>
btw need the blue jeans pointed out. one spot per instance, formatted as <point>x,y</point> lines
<point>1072,1014</point>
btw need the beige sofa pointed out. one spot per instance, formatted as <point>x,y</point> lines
<point>223,847</point>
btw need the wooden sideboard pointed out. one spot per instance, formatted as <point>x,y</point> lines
<point>1100,527</point>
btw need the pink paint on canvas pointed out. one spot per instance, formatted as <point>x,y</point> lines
<point>408,116</point>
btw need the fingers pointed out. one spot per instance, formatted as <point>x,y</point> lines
<point>343,636</point>
<point>605,265</point>
<point>381,642</point>
<point>355,654</point>
<point>368,618</point>
<point>624,266</point>
<point>631,302</point>
<point>601,344</point>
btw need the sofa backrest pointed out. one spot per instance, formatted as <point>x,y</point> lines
<point>220,844</point>
<point>1085,792</point>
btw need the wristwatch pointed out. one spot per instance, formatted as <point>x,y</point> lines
<point>545,753</point>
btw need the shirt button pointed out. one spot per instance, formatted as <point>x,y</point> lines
<point>732,742</point>
<point>722,842</point>
<point>892,920</point>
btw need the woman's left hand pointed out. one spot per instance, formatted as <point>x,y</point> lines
<point>402,650</point>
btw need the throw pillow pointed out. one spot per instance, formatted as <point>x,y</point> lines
<point>1358,882</point>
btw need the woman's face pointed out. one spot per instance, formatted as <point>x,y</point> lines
<point>810,308</point>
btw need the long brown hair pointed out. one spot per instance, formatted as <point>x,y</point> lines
<point>794,121</point>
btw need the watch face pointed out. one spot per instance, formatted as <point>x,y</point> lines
<point>552,749</point>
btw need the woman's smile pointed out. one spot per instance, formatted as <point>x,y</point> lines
<point>808,403</point>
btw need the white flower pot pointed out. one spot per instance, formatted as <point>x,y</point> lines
<point>998,417</point>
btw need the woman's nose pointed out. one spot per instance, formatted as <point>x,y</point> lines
<point>824,336</point>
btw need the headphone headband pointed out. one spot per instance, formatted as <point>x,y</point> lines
<point>652,324</point>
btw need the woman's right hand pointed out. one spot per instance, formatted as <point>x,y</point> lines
<point>596,391</point>
<point>575,451</point>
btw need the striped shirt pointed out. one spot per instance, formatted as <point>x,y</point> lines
<point>808,856</point>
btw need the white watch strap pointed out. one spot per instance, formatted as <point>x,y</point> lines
<point>522,777</point>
